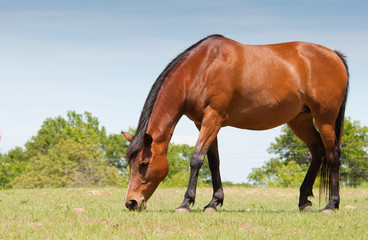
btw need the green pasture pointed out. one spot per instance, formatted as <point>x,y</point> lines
<point>248,213</point>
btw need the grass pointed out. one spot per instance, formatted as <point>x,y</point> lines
<point>248,213</point>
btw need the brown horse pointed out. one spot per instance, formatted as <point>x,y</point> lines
<point>218,82</point>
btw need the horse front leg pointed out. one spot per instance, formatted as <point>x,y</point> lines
<point>189,196</point>
<point>214,163</point>
<point>209,128</point>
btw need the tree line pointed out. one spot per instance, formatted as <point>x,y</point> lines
<point>292,158</point>
<point>77,152</point>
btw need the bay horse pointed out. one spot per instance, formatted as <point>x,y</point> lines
<point>219,82</point>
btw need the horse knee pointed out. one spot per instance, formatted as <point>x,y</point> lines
<point>196,163</point>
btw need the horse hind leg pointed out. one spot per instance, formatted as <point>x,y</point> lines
<point>330,169</point>
<point>303,128</point>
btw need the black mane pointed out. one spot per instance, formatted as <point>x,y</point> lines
<point>137,142</point>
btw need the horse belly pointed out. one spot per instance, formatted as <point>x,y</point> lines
<point>265,114</point>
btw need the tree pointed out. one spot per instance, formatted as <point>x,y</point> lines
<point>354,154</point>
<point>293,158</point>
<point>76,151</point>
<point>69,164</point>
<point>288,147</point>
<point>115,147</point>
<point>80,128</point>
<point>11,165</point>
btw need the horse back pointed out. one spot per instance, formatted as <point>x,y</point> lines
<point>249,84</point>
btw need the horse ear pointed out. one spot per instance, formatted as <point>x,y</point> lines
<point>147,140</point>
<point>127,136</point>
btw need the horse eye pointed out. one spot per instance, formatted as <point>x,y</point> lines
<point>144,164</point>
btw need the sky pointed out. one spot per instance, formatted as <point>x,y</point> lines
<point>103,57</point>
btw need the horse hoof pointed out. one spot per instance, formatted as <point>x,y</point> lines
<point>183,210</point>
<point>209,210</point>
<point>327,211</point>
<point>305,207</point>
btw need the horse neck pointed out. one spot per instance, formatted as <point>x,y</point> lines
<point>167,111</point>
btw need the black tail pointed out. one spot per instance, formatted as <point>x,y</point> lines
<point>339,126</point>
<point>324,185</point>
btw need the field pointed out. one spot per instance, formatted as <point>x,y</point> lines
<point>248,213</point>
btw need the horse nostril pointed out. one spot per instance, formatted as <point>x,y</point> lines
<point>131,204</point>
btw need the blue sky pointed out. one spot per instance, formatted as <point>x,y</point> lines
<point>103,56</point>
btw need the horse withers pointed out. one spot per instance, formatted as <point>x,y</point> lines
<point>218,82</point>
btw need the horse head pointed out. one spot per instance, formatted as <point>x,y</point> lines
<point>148,167</point>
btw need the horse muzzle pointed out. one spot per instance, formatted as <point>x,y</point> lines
<point>134,204</point>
